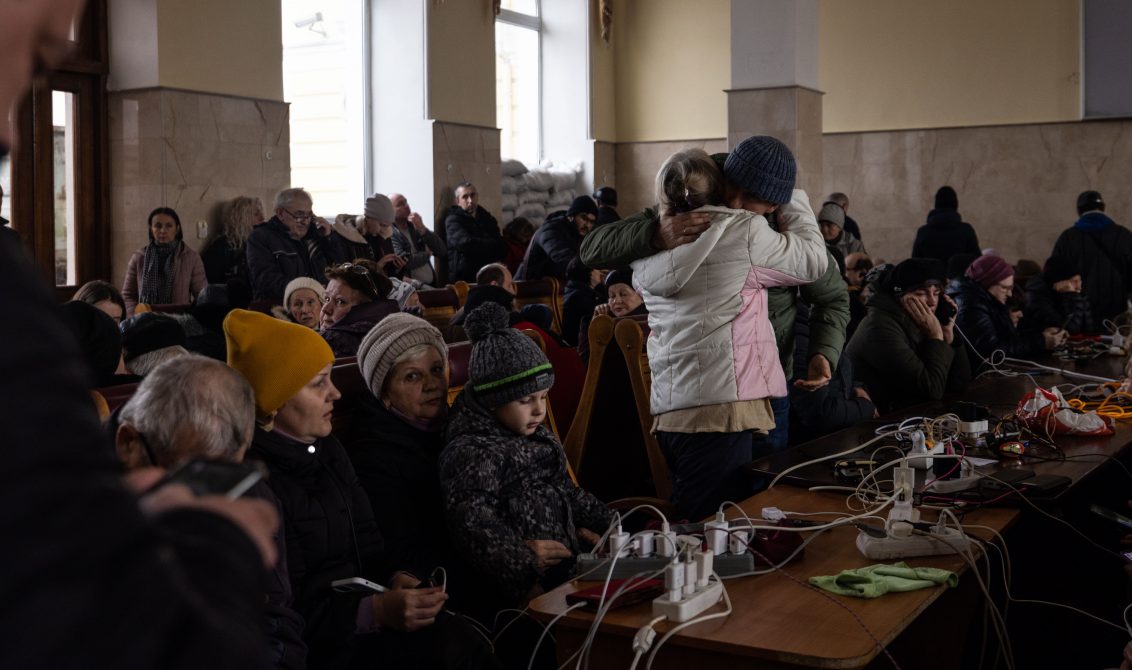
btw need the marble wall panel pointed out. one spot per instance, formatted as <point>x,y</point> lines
<point>465,153</point>
<point>637,163</point>
<point>605,165</point>
<point>189,151</point>
<point>1017,184</point>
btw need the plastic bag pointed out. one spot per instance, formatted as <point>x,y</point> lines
<point>1047,413</point>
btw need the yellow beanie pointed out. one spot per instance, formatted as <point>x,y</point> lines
<point>277,358</point>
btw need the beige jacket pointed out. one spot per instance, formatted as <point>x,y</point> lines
<point>188,278</point>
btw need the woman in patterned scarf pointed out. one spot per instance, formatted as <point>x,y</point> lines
<point>165,271</point>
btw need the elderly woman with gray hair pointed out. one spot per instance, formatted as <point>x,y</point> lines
<point>398,433</point>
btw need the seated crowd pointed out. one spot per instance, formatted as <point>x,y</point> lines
<point>769,325</point>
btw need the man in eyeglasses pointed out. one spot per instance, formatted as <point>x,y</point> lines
<point>287,246</point>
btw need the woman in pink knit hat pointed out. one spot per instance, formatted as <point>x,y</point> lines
<point>984,320</point>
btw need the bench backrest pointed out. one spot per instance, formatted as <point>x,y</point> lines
<point>546,291</point>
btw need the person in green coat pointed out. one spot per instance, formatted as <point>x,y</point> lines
<point>618,244</point>
<point>901,351</point>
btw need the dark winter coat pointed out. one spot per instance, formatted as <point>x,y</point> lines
<point>898,364</point>
<point>274,259</point>
<point>606,214</point>
<point>347,333</point>
<point>578,304</point>
<point>986,324</point>
<point>380,247</point>
<point>473,242</point>
<point>552,248</point>
<point>944,235</point>
<point>852,227</point>
<point>1047,308</point>
<point>90,580</point>
<point>1103,251</point>
<point>222,263</point>
<point>419,248</point>
<point>829,408</point>
<point>331,534</point>
<point>397,465</point>
<point>501,489</point>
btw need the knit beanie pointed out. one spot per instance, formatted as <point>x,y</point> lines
<point>763,167</point>
<point>505,364</point>
<point>583,204</point>
<point>380,207</point>
<point>622,276</point>
<point>1059,268</point>
<point>913,274</point>
<point>988,270</point>
<point>149,331</point>
<point>946,198</point>
<point>606,195</point>
<point>1089,201</point>
<point>277,358</point>
<point>303,282</point>
<point>832,212</point>
<point>391,337</point>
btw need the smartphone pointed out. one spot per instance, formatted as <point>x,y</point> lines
<point>638,592</point>
<point>1111,516</point>
<point>944,311</point>
<point>356,585</point>
<point>204,478</point>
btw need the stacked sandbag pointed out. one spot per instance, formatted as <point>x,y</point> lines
<point>537,192</point>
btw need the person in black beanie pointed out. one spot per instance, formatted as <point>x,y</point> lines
<point>1055,298</point>
<point>99,341</point>
<point>606,198</point>
<point>149,339</point>
<point>556,241</point>
<point>1102,249</point>
<point>903,352</point>
<point>511,507</point>
<point>945,233</point>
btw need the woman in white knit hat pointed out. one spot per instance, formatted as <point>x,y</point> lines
<point>302,302</point>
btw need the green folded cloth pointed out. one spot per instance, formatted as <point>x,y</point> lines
<point>876,580</point>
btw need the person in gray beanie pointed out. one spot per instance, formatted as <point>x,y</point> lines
<point>396,437</point>
<point>831,220</point>
<point>556,241</point>
<point>511,507</point>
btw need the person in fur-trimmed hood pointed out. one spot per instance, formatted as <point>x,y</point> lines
<point>511,507</point>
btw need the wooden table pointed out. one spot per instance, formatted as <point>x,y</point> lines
<point>777,622</point>
<point>1001,395</point>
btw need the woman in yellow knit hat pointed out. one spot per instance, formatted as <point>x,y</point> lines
<point>328,521</point>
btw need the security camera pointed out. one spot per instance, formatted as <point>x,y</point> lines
<point>309,21</point>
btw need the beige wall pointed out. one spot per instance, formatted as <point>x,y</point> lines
<point>672,62</point>
<point>218,46</point>
<point>461,62</point>
<point>603,84</point>
<point>889,64</point>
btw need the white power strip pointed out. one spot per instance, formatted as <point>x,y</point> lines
<point>913,545</point>
<point>689,606</point>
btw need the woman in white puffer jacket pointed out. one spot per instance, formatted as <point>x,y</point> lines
<point>712,351</point>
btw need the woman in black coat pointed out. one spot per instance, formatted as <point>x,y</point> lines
<point>329,523</point>
<point>984,320</point>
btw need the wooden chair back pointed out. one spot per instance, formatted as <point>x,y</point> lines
<point>461,288</point>
<point>459,357</point>
<point>631,334</point>
<point>605,446</point>
<point>546,291</point>
<point>439,305</point>
<point>163,309</point>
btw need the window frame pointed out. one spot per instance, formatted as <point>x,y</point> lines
<point>531,22</point>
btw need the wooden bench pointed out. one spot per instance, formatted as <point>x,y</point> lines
<point>461,288</point>
<point>606,445</point>
<point>438,307</point>
<point>631,334</point>
<point>546,291</point>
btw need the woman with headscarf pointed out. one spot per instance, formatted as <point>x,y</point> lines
<point>165,271</point>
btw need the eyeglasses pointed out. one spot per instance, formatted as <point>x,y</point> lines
<point>1004,287</point>
<point>360,270</point>
<point>298,217</point>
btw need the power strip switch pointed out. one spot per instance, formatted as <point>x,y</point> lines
<point>938,541</point>
<point>689,606</point>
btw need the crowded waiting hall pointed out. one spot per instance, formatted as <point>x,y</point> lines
<point>516,334</point>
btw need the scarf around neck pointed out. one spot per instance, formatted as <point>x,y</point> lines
<point>157,273</point>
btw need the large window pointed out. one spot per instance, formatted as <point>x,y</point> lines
<point>517,80</point>
<point>324,75</point>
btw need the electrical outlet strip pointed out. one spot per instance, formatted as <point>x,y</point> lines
<point>913,545</point>
<point>953,485</point>
<point>689,606</point>
<point>725,565</point>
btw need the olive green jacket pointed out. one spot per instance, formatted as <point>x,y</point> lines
<point>616,245</point>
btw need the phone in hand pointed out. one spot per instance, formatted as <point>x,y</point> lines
<point>356,585</point>
<point>944,311</point>
<point>204,477</point>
